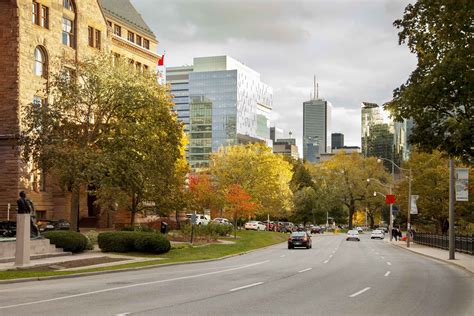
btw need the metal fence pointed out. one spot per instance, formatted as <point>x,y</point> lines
<point>464,243</point>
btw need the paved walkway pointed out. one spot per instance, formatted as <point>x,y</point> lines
<point>463,260</point>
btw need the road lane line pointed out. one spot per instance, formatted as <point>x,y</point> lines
<point>304,270</point>
<point>122,314</point>
<point>245,286</point>
<point>282,256</point>
<point>330,256</point>
<point>133,285</point>
<point>360,292</point>
<point>389,263</point>
<point>382,257</point>
<point>326,261</point>
<point>387,273</point>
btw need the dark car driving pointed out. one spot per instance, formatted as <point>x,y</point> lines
<point>300,239</point>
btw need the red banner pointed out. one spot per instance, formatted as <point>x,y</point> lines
<point>390,199</point>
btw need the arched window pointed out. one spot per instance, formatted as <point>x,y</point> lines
<point>41,66</point>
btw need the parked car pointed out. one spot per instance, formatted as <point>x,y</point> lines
<point>287,227</point>
<point>353,235</point>
<point>384,229</point>
<point>270,226</point>
<point>45,225</point>
<point>377,234</point>
<point>7,228</point>
<point>359,229</point>
<point>254,225</point>
<point>300,239</point>
<point>221,221</point>
<point>62,224</point>
<point>201,219</point>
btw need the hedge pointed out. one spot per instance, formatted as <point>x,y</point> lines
<point>154,243</point>
<point>211,230</point>
<point>67,240</point>
<point>127,241</point>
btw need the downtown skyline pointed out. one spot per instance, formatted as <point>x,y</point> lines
<point>351,46</point>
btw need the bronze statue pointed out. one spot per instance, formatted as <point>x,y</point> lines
<point>25,206</point>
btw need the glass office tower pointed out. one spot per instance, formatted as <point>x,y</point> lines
<point>228,105</point>
<point>316,129</point>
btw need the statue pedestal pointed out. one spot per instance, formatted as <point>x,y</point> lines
<point>22,254</point>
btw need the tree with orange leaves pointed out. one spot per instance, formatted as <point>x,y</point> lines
<point>239,203</point>
<point>203,194</point>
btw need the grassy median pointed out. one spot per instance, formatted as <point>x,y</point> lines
<point>246,241</point>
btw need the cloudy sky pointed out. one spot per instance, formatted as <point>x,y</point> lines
<point>350,45</point>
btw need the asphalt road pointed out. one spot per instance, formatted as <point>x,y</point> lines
<point>336,277</point>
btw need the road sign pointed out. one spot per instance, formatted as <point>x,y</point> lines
<point>194,218</point>
<point>390,199</point>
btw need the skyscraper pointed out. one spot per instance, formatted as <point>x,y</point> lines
<point>227,105</point>
<point>337,140</point>
<point>377,135</point>
<point>178,78</point>
<point>316,127</point>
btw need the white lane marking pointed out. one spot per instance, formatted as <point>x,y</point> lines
<point>304,270</point>
<point>360,292</point>
<point>245,286</point>
<point>122,314</point>
<point>326,261</point>
<point>387,273</point>
<point>134,285</point>
<point>330,256</point>
<point>334,252</point>
<point>389,263</point>
<point>282,256</point>
<point>382,257</point>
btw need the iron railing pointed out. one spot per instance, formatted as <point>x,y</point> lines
<point>464,243</point>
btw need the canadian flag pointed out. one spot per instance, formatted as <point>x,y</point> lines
<point>161,61</point>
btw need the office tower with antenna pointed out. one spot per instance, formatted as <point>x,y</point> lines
<point>316,126</point>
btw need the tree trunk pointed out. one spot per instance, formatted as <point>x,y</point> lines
<point>351,213</point>
<point>74,216</point>
<point>371,220</point>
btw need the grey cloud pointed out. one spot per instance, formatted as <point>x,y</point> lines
<point>350,45</point>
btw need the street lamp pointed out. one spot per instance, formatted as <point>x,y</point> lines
<point>409,195</point>
<point>390,221</point>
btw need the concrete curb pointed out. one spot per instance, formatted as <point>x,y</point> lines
<point>77,275</point>
<point>434,258</point>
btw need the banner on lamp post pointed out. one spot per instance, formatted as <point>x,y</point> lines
<point>413,207</point>
<point>462,184</point>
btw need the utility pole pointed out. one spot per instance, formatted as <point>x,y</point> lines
<point>409,210</point>
<point>452,245</point>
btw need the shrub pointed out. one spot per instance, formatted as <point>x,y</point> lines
<point>67,240</point>
<point>152,242</point>
<point>211,231</point>
<point>126,241</point>
<point>122,241</point>
<point>91,239</point>
<point>139,228</point>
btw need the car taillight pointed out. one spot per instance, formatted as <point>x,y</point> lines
<point>289,238</point>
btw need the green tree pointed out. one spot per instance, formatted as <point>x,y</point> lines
<point>262,174</point>
<point>431,184</point>
<point>108,126</point>
<point>349,174</point>
<point>438,95</point>
<point>304,201</point>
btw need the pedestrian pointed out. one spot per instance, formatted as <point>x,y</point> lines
<point>394,233</point>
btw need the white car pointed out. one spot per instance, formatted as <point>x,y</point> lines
<point>201,219</point>
<point>359,229</point>
<point>353,235</point>
<point>377,234</point>
<point>254,225</point>
<point>221,221</point>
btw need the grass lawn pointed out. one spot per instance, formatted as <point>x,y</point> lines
<point>247,240</point>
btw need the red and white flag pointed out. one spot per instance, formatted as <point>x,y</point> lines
<point>161,61</point>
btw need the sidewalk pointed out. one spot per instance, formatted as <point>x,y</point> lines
<point>462,260</point>
<point>57,261</point>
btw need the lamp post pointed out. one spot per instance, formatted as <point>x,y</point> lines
<point>390,221</point>
<point>409,195</point>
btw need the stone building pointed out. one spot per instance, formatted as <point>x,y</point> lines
<point>41,37</point>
